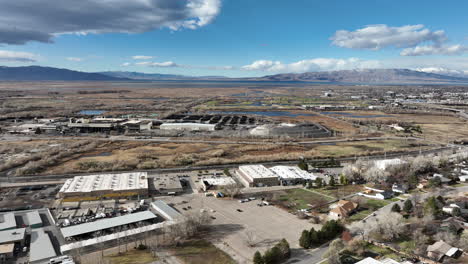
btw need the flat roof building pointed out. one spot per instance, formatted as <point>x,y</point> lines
<point>32,219</point>
<point>258,175</point>
<point>165,210</point>
<point>7,221</point>
<point>188,126</point>
<point>167,184</point>
<point>216,183</point>
<point>41,247</point>
<point>106,223</point>
<point>12,236</point>
<point>107,185</point>
<point>291,175</point>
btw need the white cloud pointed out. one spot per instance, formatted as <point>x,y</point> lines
<point>166,64</point>
<point>75,59</point>
<point>16,56</point>
<point>375,37</point>
<point>32,20</point>
<point>318,64</point>
<point>125,64</point>
<point>435,50</point>
<point>444,71</point>
<point>142,57</point>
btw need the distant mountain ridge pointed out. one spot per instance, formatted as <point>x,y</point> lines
<point>156,76</point>
<point>39,73</point>
<point>364,76</point>
<point>389,76</point>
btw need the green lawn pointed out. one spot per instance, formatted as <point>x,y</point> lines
<point>340,190</point>
<point>132,257</point>
<point>300,199</point>
<point>201,252</point>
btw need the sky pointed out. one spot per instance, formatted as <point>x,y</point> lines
<point>235,38</point>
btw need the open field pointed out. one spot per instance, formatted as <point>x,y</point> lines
<point>201,252</point>
<point>296,199</point>
<point>132,257</point>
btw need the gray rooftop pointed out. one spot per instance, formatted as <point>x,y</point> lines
<point>106,223</point>
<point>12,235</point>
<point>32,218</point>
<point>41,246</point>
<point>7,221</point>
<point>165,210</point>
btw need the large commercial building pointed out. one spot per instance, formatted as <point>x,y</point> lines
<point>107,185</point>
<point>42,249</point>
<point>7,221</point>
<point>188,126</point>
<point>257,176</point>
<point>216,183</point>
<point>163,209</point>
<point>107,224</point>
<point>292,175</point>
<point>167,184</point>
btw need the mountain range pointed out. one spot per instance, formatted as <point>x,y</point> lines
<point>361,76</point>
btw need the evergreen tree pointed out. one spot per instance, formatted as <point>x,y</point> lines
<point>396,208</point>
<point>303,165</point>
<point>332,181</point>
<point>283,245</point>
<point>408,206</point>
<point>319,182</point>
<point>304,241</point>
<point>413,181</point>
<point>314,239</point>
<point>258,259</point>
<point>343,180</point>
<point>431,207</point>
<point>272,256</point>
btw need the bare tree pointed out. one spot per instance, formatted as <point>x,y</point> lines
<point>232,190</point>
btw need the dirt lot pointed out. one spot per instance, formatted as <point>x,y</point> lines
<point>232,230</point>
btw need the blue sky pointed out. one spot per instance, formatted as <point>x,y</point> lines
<point>235,37</point>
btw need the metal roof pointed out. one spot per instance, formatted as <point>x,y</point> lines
<point>12,235</point>
<point>165,210</point>
<point>41,246</point>
<point>106,223</point>
<point>32,218</point>
<point>7,221</point>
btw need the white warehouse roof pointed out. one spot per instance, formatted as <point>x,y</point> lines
<point>106,223</point>
<point>292,172</point>
<point>102,182</point>
<point>257,171</point>
<point>7,221</point>
<point>383,164</point>
<point>165,210</point>
<point>41,246</point>
<point>187,126</point>
<point>12,235</point>
<point>219,181</point>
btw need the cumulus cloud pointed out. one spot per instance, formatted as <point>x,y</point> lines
<point>32,20</point>
<point>141,57</point>
<point>16,56</point>
<point>318,64</point>
<point>435,50</point>
<point>376,37</point>
<point>125,64</point>
<point>75,59</point>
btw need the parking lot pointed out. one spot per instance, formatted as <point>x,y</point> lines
<point>236,225</point>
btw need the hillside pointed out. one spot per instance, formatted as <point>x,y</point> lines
<point>388,76</point>
<point>39,73</point>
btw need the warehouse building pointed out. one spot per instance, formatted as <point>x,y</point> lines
<point>188,126</point>
<point>292,175</point>
<point>7,221</point>
<point>257,176</point>
<point>12,236</point>
<point>41,247</point>
<point>167,184</point>
<point>32,219</point>
<point>216,183</point>
<point>107,224</point>
<point>163,209</point>
<point>107,185</point>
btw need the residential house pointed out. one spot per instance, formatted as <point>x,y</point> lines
<point>463,178</point>
<point>439,250</point>
<point>399,188</point>
<point>442,178</point>
<point>342,209</point>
